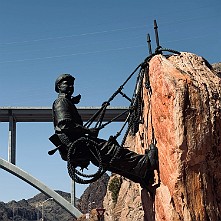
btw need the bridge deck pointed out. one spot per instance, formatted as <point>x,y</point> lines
<point>44,114</point>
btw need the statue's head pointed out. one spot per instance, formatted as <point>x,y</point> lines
<point>63,77</point>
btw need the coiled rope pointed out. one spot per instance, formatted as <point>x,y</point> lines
<point>73,172</point>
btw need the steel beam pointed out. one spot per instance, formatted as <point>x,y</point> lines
<point>44,114</point>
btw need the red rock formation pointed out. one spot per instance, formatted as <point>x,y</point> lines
<point>186,117</point>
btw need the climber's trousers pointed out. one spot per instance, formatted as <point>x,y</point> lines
<point>123,161</point>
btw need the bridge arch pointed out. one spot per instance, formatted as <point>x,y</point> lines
<point>11,168</point>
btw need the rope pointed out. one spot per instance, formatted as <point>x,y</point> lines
<point>153,140</point>
<point>107,103</point>
<point>159,50</point>
<point>73,172</point>
<point>133,122</point>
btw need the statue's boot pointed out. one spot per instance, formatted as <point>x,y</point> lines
<point>152,154</point>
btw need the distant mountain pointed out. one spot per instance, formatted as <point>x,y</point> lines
<point>93,196</point>
<point>217,68</point>
<point>31,209</point>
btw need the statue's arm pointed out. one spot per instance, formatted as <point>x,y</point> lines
<point>77,129</point>
<point>66,122</point>
<point>69,126</point>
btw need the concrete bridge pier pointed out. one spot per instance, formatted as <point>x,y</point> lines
<point>12,139</point>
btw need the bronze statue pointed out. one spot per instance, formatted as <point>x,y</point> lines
<point>69,127</point>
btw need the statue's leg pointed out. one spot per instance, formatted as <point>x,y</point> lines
<point>136,167</point>
<point>133,166</point>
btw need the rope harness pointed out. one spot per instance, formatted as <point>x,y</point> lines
<point>133,120</point>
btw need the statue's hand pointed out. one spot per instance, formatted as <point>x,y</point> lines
<point>82,163</point>
<point>76,99</point>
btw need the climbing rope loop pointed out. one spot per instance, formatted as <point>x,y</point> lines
<point>76,174</point>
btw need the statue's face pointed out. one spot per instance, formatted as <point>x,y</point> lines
<point>66,87</point>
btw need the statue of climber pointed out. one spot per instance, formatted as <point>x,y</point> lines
<point>68,126</point>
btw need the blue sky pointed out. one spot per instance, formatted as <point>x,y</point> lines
<point>100,43</point>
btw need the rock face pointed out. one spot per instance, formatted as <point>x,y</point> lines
<point>129,205</point>
<point>184,110</point>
